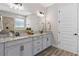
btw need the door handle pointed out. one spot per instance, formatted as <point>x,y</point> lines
<point>75,34</point>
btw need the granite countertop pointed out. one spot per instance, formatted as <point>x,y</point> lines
<point>6,39</point>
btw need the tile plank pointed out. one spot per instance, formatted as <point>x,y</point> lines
<point>52,51</point>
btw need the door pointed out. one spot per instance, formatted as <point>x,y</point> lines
<point>78,27</point>
<point>12,50</point>
<point>67,19</point>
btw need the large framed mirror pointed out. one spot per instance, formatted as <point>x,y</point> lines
<point>1,23</point>
<point>35,22</point>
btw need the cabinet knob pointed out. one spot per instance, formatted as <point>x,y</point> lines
<point>75,34</point>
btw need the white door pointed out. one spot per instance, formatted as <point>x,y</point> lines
<point>67,18</point>
<point>12,50</point>
<point>78,27</point>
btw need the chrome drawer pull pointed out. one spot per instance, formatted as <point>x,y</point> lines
<point>22,48</point>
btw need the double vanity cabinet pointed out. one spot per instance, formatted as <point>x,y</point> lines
<point>27,46</point>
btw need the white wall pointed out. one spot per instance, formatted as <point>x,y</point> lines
<point>52,16</point>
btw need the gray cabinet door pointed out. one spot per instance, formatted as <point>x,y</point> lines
<point>44,42</point>
<point>37,45</point>
<point>49,40</point>
<point>27,49</point>
<point>1,49</point>
<point>21,47</point>
<point>12,50</point>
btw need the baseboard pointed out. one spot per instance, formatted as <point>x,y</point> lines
<point>64,49</point>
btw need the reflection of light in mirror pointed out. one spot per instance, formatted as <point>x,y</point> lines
<point>41,14</point>
<point>1,23</point>
<point>18,6</point>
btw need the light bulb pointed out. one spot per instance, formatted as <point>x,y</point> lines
<point>15,6</point>
<point>21,8</point>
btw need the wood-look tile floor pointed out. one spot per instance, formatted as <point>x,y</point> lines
<point>52,51</point>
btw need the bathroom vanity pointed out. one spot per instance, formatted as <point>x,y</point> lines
<point>25,45</point>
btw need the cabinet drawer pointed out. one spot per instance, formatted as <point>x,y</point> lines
<point>37,37</point>
<point>37,43</point>
<point>7,44</point>
<point>37,50</point>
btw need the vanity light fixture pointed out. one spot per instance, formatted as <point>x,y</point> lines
<point>41,14</point>
<point>18,6</point>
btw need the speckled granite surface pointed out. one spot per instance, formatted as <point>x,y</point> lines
<point>6,39</point>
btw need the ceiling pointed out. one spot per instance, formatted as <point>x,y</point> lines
<point>29,8</point>
<point>47,4</point>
